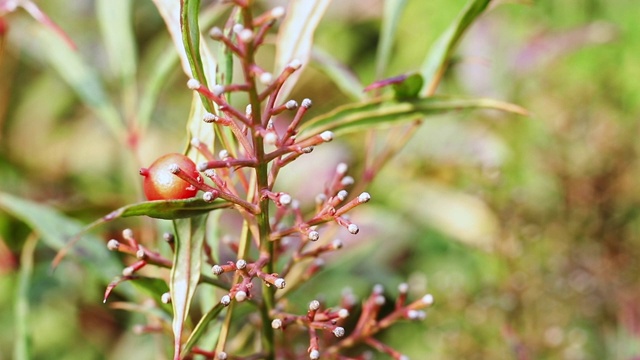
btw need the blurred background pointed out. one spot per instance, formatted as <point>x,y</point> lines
<point>525,229</point>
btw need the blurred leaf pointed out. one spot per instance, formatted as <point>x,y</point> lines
<point>55,229</point>
<point>383,112</point>
<point>390,19</point>
<point>115,20</point>
<point>191,40</point>
<point>440,52</point>
<point>142,309</point>
<point>23,337</point>
<point>339,73</point>
<point>185,274</point>
<point>42,18</point>
<point>295,38</point>
<point>201,327</point>
<point>409,88</point>
<point>84,81</point>
<point>462,217</point>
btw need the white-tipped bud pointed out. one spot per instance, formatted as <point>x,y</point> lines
<point>266,78</point>
<point>285,199</point>
<point>347,180</point>
<point>343,313</point>
<point>338,331</point>
<point>342,194</point>
<point>222,355</point>
<point>217,269</point>
<point>246,35</point>
<point>280,283</point>
<point>314,354</point>
<point>270,138</point>
<point>295,204</point>
<point>195,142</point>
<point>217,90</point>
<point>113,245</point>
<point>412,314</point>
<point>314,305</point>
<point>128,271</point>
<point>321,198</point>
<point>216,33</point>
<point>210,118</point>
<point>237,28</point>
<point>210,173</point>
<point>380,300</point>
<point>326,136</point>
<point>202,166</point>
<point>295,64</point>
<point>225,300</point>
<point>353,228</point>
<point>247,110</point>
<point>174,168</point>
<point>127,234</point>
<point>223,154</point>
<point>193,84</point>
<point>241,264</point>
<point>342,168</point>
<point>277,11</point>
<point>291,104</point>
<point>307,103</point>
<point>337,244</point>
<point>241,296</point>
<point>307,150</point>
<point>313,235</point>
<point>378,289</point>
<point>165,298</point>
<point>208,196</point>
<point>403,288</point>
<point>403,357</point>
<point>276,323</point>
<point>427,299</point>
<point>140,254</point>
<point>364,197</point>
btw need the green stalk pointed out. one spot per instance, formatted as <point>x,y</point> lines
<point>266,246</point>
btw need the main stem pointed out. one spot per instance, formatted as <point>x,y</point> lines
<point>266,246</point>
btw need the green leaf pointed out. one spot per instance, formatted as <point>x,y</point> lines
<point>191,40</point>
<point>295,38</point>
<point>383,112</point>
<point>23,339</point>
<point>56,230</point>
<point>115,20</point>
<point>390,19</point>
<point>82,78</point>
<point>440,52</point>
<point>344,78</point>
<point>167,209</point>
<point>201,327</point>
<point>409,88</point>
<point>185,274</point>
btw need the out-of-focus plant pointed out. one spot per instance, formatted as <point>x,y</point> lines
<point>244,131</point>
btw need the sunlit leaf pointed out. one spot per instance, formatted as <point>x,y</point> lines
<point>436,61</point>
<point>22,345</point>
<point>295,37</point>
<point>115,20</point>
<point>384,112</point>
<point>390,19</point>
<point>185,274</point>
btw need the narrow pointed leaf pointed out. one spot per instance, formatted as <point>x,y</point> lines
<point>383,112</point>
<point>390,19</point>
<point>295,37</point>
<point>185,274</point>
<point>441,50</point>
<point>115,20</point>
<point>201,327</point>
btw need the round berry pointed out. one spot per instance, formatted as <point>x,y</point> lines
<point>160,183</point>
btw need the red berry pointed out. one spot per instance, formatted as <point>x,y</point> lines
<point>161,184</point>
